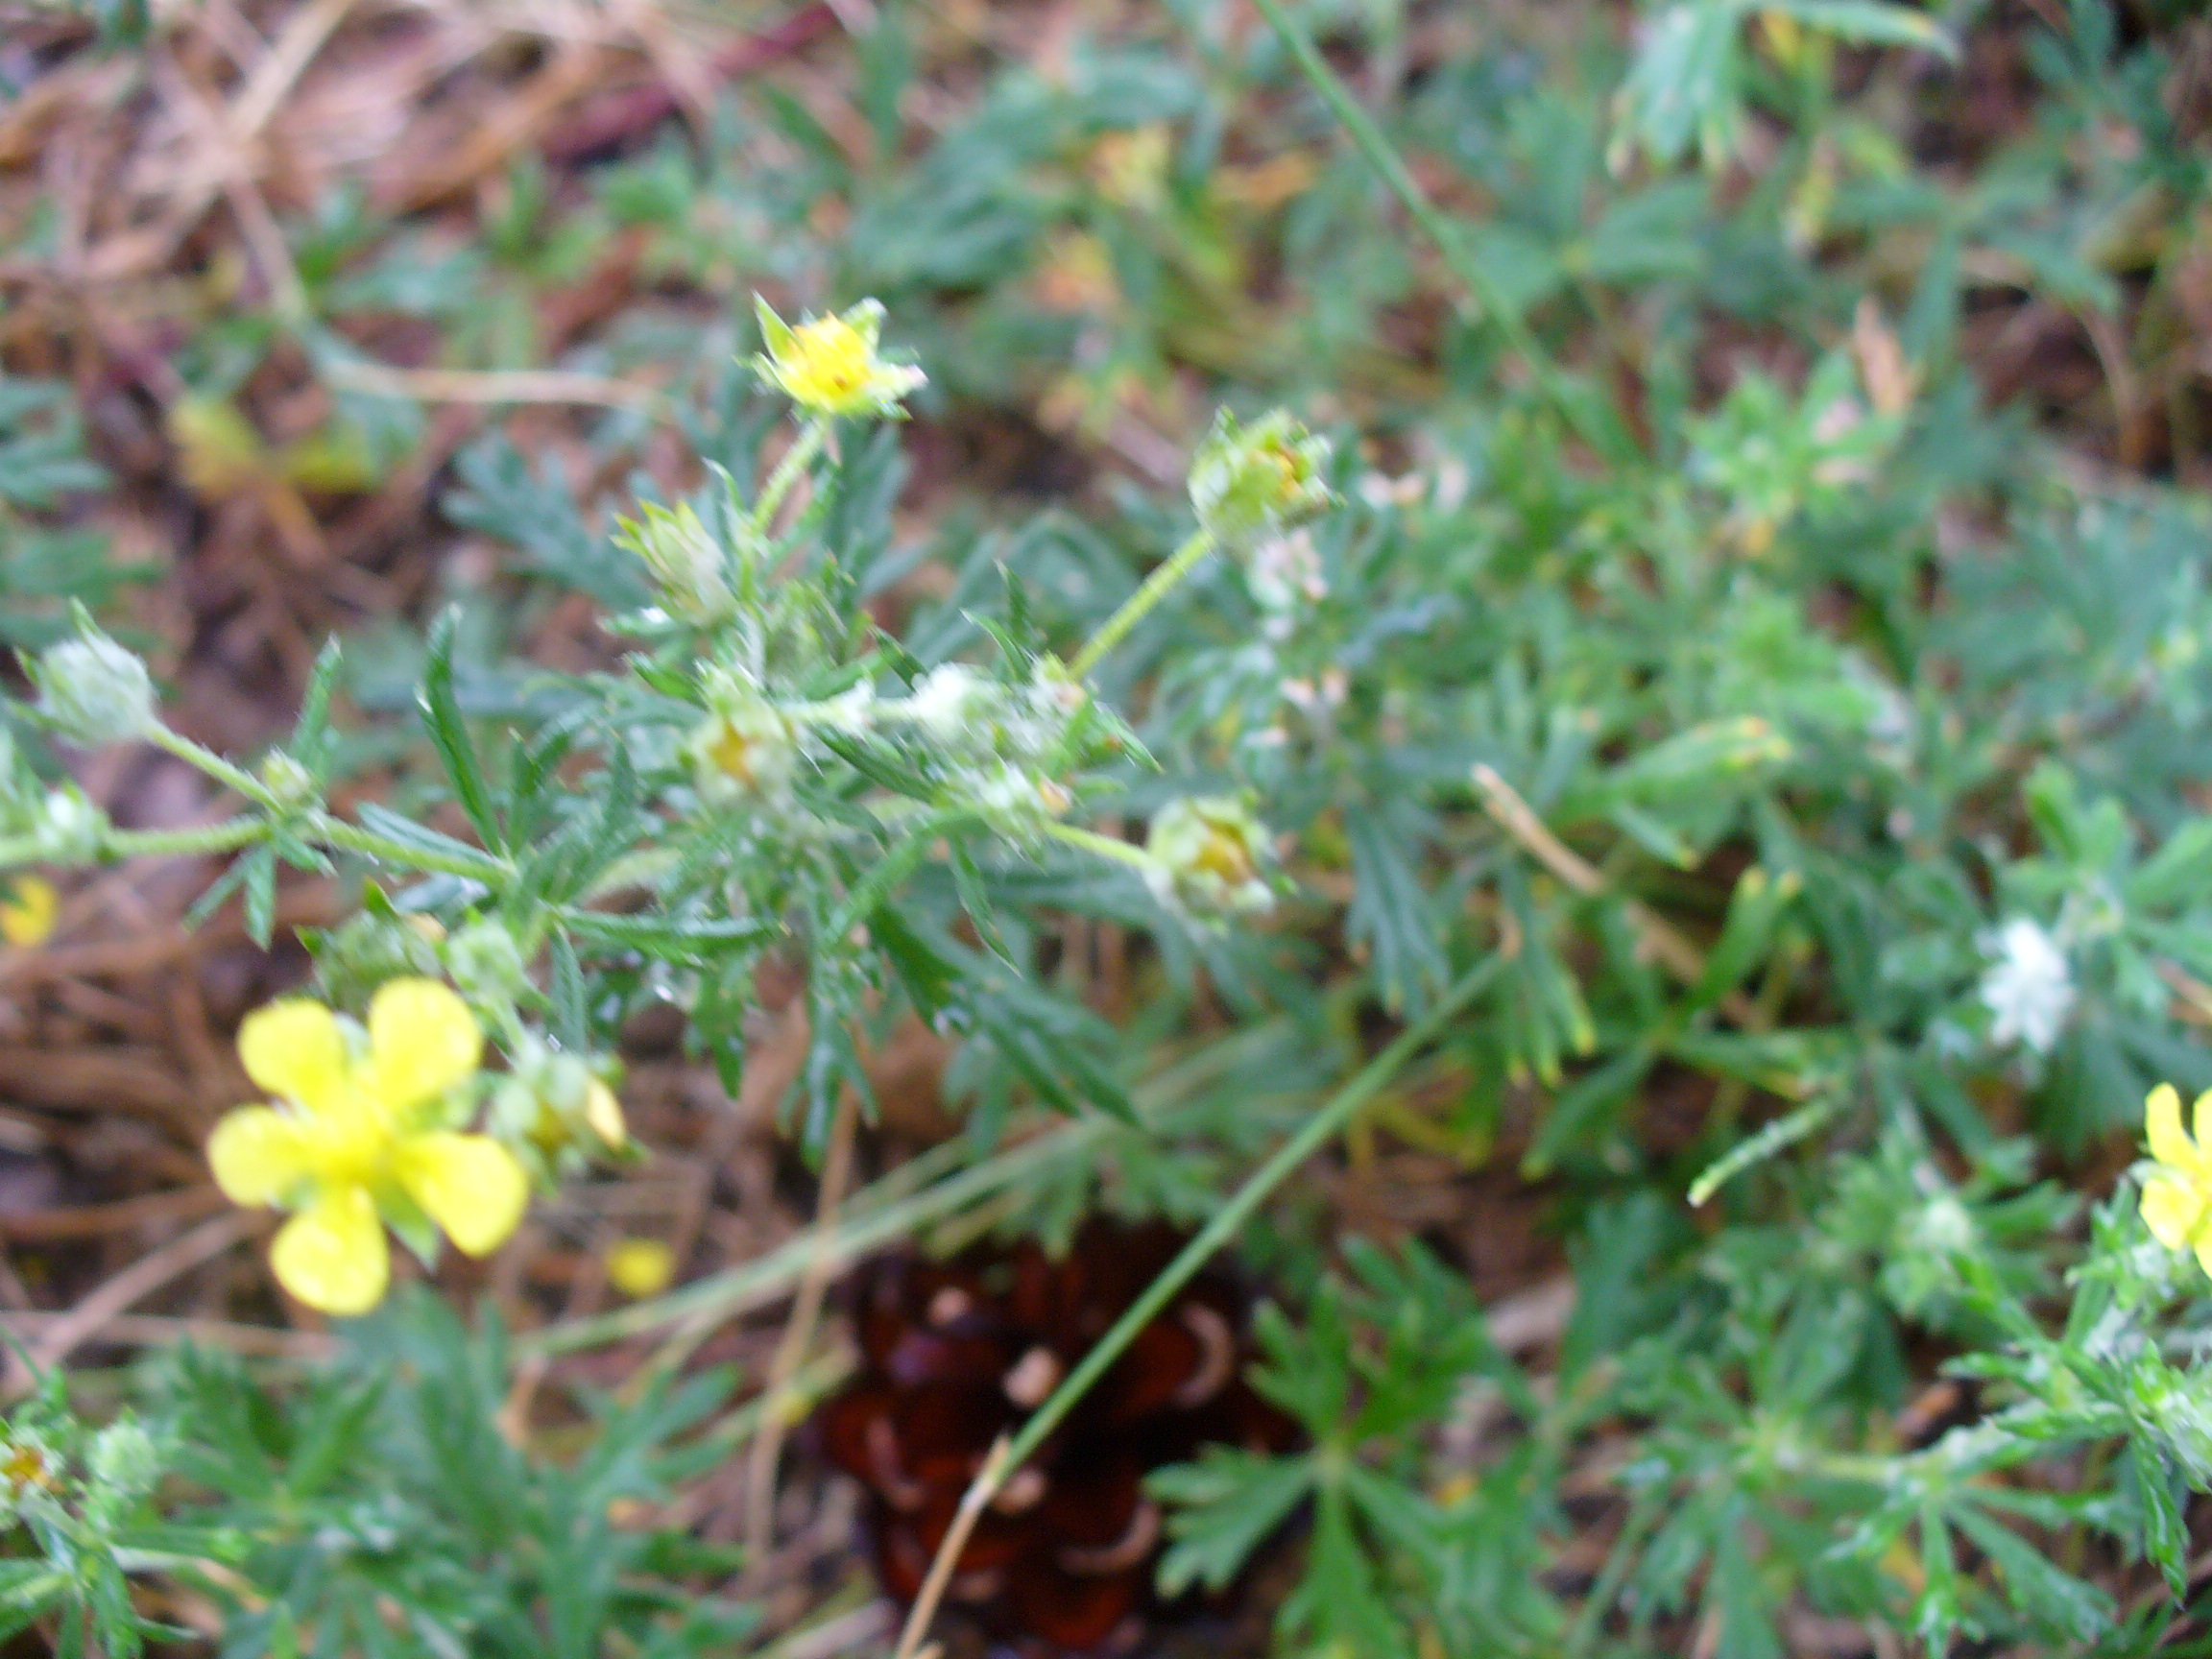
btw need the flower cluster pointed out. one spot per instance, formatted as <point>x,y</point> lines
<point>364,1131</point>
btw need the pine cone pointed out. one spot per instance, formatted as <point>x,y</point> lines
<point>957,1352</point>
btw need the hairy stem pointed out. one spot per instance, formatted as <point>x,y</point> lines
<point>795,460</point>
<point>1102,846</point>
<point>232,777</point>
<point>1139,605</point>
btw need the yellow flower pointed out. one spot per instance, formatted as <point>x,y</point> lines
<point>357,1140</point>
<point>27,909</point>
<point>2178,1196</point>
<point>641,1267</point>
<point>830,364</point>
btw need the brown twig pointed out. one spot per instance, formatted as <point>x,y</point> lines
<point>798,1336</point>
<point>1658,936</point>
<point>158,1331</point>
<point>92,1220</point>
<point>499,386</point>
<point>141,1278</point>
<point>973,1504</point>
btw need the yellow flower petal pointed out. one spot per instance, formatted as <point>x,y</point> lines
<point>333,1256</point>
<point>422,1041</point>
<point>27,910</point>
<point>2162,1123</point>
<point>604,1113</point>
<point>2171,1210</point>
<point>258,1155</point>
<point>468,1183</point>
<point>294,1049</point>
<point>640,1267</point>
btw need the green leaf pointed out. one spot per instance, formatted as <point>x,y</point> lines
<point>440,713</point>
<point>430,843</point>
<point>1220,1509</point>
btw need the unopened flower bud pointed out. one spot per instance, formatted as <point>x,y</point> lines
<point>486,966</point>
<point>70,828</point>
<point>1208,857</point>
<point>291,782</point>
<point>687,564</point>
<point>95,691</point>
<point>367,950</point>
<point>744,747</point>
<point>124,1459</point>
<point>1248,482</point>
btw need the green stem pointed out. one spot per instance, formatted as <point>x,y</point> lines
<point>1325,1123</point>
<point>1139,605</point>
<point>1102,846</point>
<point>795,460</point>
<point>1490,300</point>
<point>1644,1513</point>
<point>233,777</point>
<point>227,836</point>
<point>331,831</point>
<point>19,852</point>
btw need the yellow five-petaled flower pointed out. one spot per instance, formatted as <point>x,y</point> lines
<point>829,366</point>
<point>359,1134</point>
<point>2177,1195</point>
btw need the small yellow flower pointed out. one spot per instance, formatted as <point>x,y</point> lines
<point>744,746</point>
<point>640,1268</point>
<point>27,909</point>
<point>2178,1196</point>
<point>357,1139</point>
<point>830,364</point>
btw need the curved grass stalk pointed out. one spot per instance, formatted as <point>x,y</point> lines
<point>1010,1455</point>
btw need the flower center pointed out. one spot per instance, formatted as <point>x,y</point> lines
<point>832,356</point>
<point>732,753</point>
<point>1225,855</point>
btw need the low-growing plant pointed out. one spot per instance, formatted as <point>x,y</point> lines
<point>1757,804</point>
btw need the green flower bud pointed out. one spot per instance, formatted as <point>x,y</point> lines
<point>485,965</point>
<point>123,1458</point>
<point>1209,856</point>
<point>364,951</point>
<point>69,829</point>
<point>95,691</point>
<point>1248,482</point>
<point>291,782</point>
<point>744,747</point>
<point>687,564</point>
